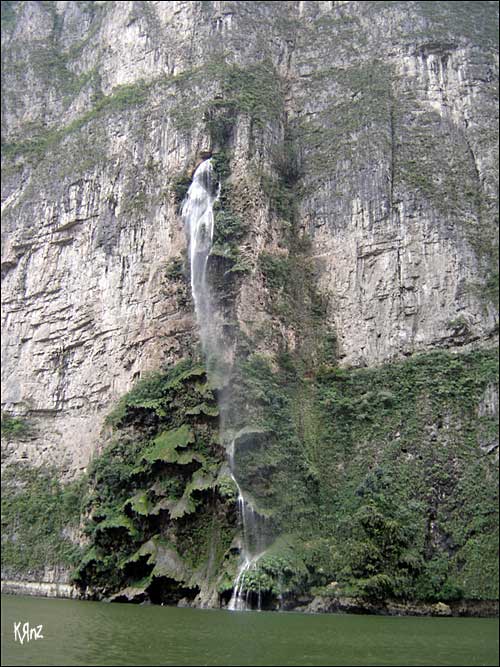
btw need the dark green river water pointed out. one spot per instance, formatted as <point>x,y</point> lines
<point>93,633</point>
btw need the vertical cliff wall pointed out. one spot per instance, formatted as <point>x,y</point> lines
<point>391,108</point>
<point>356,142</point>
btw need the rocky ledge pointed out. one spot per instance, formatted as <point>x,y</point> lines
<point>39,588</point>
<point>348,605</point>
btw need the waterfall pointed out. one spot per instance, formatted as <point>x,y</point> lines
<point>198,216</point>
<point>252,547</point>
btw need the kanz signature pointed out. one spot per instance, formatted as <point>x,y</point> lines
<point>24,633</point>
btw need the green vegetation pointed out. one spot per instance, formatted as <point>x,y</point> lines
<point>229,228</point>
<point>52,66</point>
<point>378,482</point>
<point>15,428</point>
<point>255,90</point>
<point>175,269</point>
<point>373,474</point>
<point>484,240</point>
<point>120,99</point>
<point>154,391</point>
<point>295,304</point>
<point>221,165</point>
<point>180,186</point>
<point>157,481</point>
<point>474,21</point>
<point>343,132</point>
<point>434,163</point>
<point>229,231</point>
<point>425,158</point>
<point>275,269</point>
<point>38,515</point>
<point>8,14</point>
<point>369,477</point>
<point>166,443</point>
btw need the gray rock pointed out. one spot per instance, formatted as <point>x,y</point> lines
<point>392,108</point>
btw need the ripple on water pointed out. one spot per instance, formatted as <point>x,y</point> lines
<point>93,633</point>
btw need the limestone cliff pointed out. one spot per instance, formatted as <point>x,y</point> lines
<point>359,144</point>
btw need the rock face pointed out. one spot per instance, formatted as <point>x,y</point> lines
<point>390,105</point>
<point>371,124</point>
<point>391,608</point>
<point>40,589</point>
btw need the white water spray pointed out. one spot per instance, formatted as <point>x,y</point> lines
<point>197,213</point>
<point>251,549</point>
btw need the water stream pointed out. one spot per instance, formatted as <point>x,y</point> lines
<point>198,216</point>
<point>251,548</point>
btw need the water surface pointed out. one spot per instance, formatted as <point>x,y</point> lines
<point>95,633</point>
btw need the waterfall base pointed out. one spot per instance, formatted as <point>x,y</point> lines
<point>240,600</point>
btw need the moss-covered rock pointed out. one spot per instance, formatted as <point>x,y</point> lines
<point>154,489</point>
<point>371,472</point>
<point>40,522</point>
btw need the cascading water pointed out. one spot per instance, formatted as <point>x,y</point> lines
<point>198,216</point>
<point>252,547</point>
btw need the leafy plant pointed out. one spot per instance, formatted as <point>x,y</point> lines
<point>14,428</point>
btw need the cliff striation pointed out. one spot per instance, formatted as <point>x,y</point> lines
<point>354,270</point>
